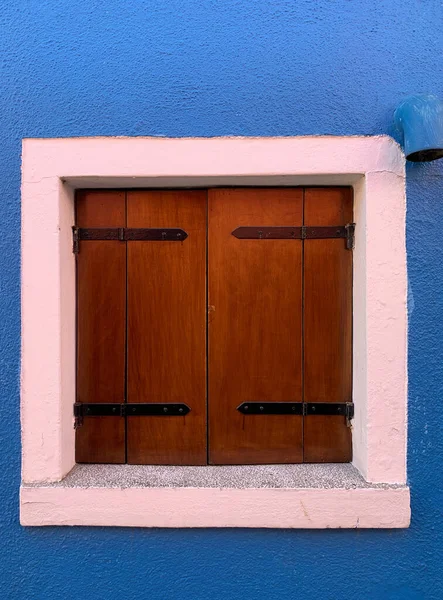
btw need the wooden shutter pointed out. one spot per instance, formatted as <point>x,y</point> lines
<point>167,328</point>
<point>101,329</point>
<point>327,301</point>
<point>277,313</point>
<point>255,326</point>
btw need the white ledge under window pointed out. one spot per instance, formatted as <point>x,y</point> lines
<point>371,492</point>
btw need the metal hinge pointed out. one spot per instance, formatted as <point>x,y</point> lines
<point>345,409</point>
<point>125,234</point>
<point>350,236</point>
<point>84,409</point>
<point>75,240</point>
<point>298,233</point>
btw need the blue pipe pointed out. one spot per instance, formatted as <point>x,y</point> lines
<point>420,120</point>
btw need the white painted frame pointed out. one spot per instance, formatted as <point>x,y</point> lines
<point>52,170</point>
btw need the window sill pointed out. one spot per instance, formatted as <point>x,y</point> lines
<point>272,496</point>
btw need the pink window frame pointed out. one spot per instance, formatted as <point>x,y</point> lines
<point>54,168</point>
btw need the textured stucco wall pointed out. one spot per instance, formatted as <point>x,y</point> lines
<point>204,68</point>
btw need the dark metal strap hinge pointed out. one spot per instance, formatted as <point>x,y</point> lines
<point>345,409</point>
<point>125,234</point>
<point>83,409</point>
<point>297,233</point>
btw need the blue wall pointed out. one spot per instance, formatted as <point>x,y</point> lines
<point>206,68</point>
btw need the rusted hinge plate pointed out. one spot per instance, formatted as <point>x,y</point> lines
<point>297,233</point>
<point>83,409</point>
<point>345,409</point>
<point>126,234</point>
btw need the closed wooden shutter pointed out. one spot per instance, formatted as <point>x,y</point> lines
<point>141,309</point>
<point>276,313</point>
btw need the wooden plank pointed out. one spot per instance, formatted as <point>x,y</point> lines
<point>167,327</point>
<point>327,325</point>
<point>255,338</point>
<point>101,316</point>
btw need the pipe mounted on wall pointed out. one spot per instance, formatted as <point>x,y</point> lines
<point>420,120</point>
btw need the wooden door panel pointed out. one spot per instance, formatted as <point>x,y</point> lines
<point>255,305</point>
<point>166,352</point>
<point>327,325</point>
<point>101,315</point>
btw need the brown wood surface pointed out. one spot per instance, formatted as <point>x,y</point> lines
<point>256,293</point>
<point>101,308</point>
<point>255,338</point>
<point>167,327</point>
<point>327,325</point>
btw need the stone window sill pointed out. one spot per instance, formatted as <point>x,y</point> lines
<point>273,496</point>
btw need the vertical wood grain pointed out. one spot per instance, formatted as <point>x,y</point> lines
<point>101,310</point>
<point>254,326</point>
<point>327,276</point>
<point>258,295</point>
<point>167,327</point>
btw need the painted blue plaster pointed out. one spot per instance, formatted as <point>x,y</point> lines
<point>205,68</point>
